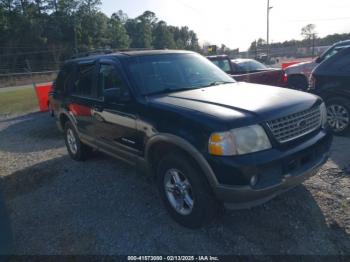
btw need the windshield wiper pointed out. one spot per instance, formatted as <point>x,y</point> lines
<point>216,83</point>
<point>170,90</point>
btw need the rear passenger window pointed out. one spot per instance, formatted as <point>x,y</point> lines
<point>85,82</point>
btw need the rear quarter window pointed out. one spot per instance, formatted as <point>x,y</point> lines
<point>64,80</point>
<point>59,83</point>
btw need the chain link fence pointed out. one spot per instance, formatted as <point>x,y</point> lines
<point>22,79</point>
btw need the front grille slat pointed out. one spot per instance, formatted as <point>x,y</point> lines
<point>293,126</point>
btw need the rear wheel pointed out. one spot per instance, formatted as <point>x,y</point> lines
<point>338,115</point>
<point>76,149</point>
<point>185,192</point>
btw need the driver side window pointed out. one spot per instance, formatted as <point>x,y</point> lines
<point>108,78</point>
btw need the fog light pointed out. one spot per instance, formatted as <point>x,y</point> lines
<point>254,180</point>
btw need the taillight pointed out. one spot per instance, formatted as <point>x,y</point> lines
<point>285,78</point>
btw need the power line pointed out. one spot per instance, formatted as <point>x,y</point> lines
<point>320,19</point>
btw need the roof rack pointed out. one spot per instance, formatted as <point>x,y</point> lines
<point>92,52</point>
<point>107,51</point>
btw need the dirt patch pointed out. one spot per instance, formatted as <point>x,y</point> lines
<point>103,206</point>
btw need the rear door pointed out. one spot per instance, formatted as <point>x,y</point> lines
<point>115,122</point>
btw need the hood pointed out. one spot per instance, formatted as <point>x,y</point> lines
<point>301,64</point>
<point>239,100</point>
<point>300,67</point>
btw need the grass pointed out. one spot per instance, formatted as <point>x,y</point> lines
<point>18,101</point>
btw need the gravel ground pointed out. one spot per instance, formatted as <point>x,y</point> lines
<point>55,205</point>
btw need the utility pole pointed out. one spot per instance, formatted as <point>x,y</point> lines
<point>268,30</point>
<point>313,45</point>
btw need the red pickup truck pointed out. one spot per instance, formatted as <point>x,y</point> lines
<point>249,70</point>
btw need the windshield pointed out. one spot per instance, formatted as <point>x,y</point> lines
<point>223,64</point>
<point>174,72</point>
<point>250,65</point>
<point>332,51</point>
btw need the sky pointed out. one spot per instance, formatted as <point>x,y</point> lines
<point>237,23</point>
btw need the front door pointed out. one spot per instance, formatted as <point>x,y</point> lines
<point>115,121</point>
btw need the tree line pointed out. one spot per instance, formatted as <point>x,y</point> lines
<point>310,39</point>
<point>36,35</point>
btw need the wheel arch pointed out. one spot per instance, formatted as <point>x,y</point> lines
<point>158,144</point>
<point>332,96</point>
<point>63,117</point>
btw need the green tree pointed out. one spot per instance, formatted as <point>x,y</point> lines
<point>41,33</point>
<point>117,35</point>
<point>309,31</point>
<point>194,45</point>
<point>140,30</point>
<point>163,37</point>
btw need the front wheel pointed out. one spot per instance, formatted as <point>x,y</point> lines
<point>185,191</point>
<point>338,115</point>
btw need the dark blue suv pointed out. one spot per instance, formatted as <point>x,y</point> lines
<point>207,139</point>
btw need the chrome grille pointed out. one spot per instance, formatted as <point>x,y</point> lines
<point>295,125</point>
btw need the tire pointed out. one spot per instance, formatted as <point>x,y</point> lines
<point>338,115</point>
<point>76,149</point>
<point>298,82</point>
<point>204,205</point>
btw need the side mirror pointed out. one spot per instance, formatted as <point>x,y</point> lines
<point>318,60</point>
<point>112,95</point>
<point>115,95</point>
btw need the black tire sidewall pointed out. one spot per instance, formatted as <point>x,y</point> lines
<point>204,201</point>
<point>344,103</point>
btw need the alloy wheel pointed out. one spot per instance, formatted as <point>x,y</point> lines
<point>338,117</point>
<point>72,141</point>
<point>179,191</point>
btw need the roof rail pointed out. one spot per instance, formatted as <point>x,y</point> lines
<point>133,49</point>
<point>107,51</point>
<point>92,52</point>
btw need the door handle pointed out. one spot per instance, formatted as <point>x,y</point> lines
<point>98,117</point>
<point>98,108</point>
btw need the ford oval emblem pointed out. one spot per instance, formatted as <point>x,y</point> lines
<point>302,123</point>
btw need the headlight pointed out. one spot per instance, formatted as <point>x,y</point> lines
<point>239,141</point>
<point>323,110</point>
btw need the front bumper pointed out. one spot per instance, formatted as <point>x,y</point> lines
<point>277,171</point>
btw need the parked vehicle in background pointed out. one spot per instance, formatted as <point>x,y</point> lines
<point>298,74</point>
<point>206,138</point>
<point>249,70</point>
<point>331,81</point>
